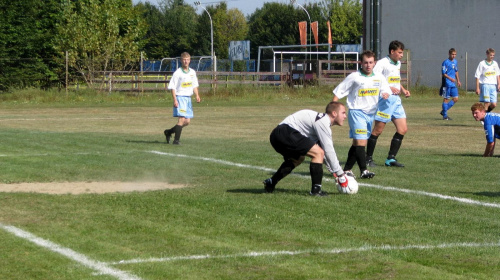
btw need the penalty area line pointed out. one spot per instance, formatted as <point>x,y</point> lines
<point>100,267</point>
<point>435,195</point>
<point>313,251</point>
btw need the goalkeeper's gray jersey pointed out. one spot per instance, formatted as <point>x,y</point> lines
<point>316,126</point>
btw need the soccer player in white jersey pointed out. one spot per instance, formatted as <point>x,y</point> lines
<point>363,90</point>
<point>308,133</point>
<point>392,108</point>
<point>183,84</point>
<point>488,80</point>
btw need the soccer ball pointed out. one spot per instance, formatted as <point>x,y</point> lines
<point>352,186</point>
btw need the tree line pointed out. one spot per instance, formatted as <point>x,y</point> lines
<point>38,37</point>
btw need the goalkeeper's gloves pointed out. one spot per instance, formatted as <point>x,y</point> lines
<point>341,180</point>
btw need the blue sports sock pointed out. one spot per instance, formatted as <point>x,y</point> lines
<point>445,108</point>
<point>450,104</point>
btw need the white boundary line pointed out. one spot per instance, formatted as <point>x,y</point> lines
<point>100,267</point>
<point>436,195</point>
<point>313,251</point>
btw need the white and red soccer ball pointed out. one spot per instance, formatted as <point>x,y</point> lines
<point>352,186</point>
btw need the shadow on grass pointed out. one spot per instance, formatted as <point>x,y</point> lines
<point>145,142</point>
<point>277,191</point>
<point>477,155</point>
<point>488,194</point>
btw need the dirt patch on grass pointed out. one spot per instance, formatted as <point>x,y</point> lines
<point>86,187</point>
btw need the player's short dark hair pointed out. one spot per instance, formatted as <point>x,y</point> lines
<point>490,50</point>
<point>451,50</point>
<point>367,54</point>
<point>333,106</point>
<point>395,45</point>
<point>478,106</point>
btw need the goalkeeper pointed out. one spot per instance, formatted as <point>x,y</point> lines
<point>308,133</point>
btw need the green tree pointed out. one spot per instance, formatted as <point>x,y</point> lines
<point>27,56</point>
<point>156,36</point>
<point>346,20</point>
<point>273,24</point>
<point>180,23</point>
<point>100,35</point>
<point>228,26</point>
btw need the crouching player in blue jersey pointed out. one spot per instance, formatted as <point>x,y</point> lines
<point>390,109</point>
<point>491,123</point>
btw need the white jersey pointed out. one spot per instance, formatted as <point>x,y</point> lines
<point>362,91</point>
<point>183,83</point>
<point>390,70</point>
<point>487,73</point>
<point>316,126</point>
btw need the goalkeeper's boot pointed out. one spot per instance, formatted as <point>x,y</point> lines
<point>316,191</point>
<point>367,174</point>
<point>268,185</point>
<point>393,162</point>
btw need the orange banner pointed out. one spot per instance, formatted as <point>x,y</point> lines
<point>314,29</point>
<point>303,32</point>
<point>329,34</point>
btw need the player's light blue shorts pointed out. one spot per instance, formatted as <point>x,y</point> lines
<point>448,92</point>
<point>488,93</point>
<point>389,109</point>
<point>185,108</point>
<point>360,124</point>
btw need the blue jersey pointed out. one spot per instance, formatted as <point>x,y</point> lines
<point>492,126</point>
<point>450,68</point>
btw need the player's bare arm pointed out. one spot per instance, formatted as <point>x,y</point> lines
<point>174,96</point>
<point>395,91</point>
<point>405,91</point>
<point>459,84</point>
<point>198,99</point>
<point>490,148</point>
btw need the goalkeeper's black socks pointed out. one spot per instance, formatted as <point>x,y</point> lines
<point>316,170</point>
<point>286,168</point>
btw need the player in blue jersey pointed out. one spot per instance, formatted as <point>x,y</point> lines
<point>449,82</point>
<point>491,123</point>
<point>390,109</point>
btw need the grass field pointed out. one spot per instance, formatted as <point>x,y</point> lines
<point>437,218</point>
